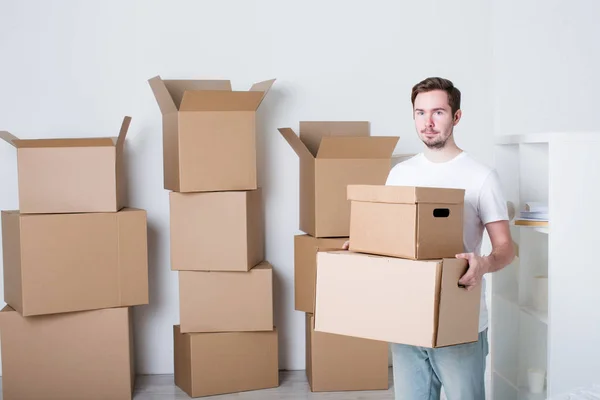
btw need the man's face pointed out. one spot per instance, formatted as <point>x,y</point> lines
<point>433,118</point>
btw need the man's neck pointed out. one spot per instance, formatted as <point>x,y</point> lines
<point>447,153</point>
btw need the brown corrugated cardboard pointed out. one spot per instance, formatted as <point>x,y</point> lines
<point>218,231</point>
<point>226,301</point>
<point>395,300</point>
<point>70,175</point>
<point>332,156</point>
<point>73,356</point>
<point>228,362</point>
<point>405,221</point>
<point>209,134</point>
<point>305,267</point>
<point>340,363</point>
<point>55,263</point>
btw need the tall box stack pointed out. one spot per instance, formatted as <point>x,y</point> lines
<point>75,262</point>
<point>333,155</point>
<point>226,341</point>
<point>400,280</point>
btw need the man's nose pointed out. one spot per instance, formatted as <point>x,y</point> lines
<point>429,122</point>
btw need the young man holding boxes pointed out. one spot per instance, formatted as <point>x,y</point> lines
<point>419,372</point>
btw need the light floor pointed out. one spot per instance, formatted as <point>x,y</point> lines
<point>292,386</point>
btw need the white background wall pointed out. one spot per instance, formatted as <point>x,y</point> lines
<point>72,68</point>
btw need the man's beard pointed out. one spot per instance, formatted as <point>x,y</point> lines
<point>438,142</point>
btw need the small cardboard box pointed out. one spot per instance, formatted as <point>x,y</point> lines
<point>209,134</point>
<point>332,156</point>
<point>228,362</point>
<point>226,301</point>
<point>305,268</point>
<point>395,300</point>
<point>73,356</point>
<point>218,231</point>
<point>404,221</point>
<point>70,175</point>
<point>340,363</point>
<point>56,263</point>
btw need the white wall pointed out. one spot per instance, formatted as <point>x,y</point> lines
<point>73,68</point>
<point>545,65</point>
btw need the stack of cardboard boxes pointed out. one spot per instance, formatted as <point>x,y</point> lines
<point>226,341</point>
<point>75,260</point>
<point>400,280</point>
<point>332,156</point>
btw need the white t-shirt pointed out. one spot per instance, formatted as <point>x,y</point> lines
<point>484,200</point>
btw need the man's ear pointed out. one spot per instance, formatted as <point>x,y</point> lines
<point>457,116</point>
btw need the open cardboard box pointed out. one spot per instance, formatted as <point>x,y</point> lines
<point>334,154</point>
<point>209,134</point>
<point>70,175</point>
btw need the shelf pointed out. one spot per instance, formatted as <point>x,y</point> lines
<point>546,137</point>
<point>525,394</point>
<point>542,316</point>
<point>541,229</point>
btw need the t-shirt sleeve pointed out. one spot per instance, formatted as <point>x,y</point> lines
<point>492,203</point>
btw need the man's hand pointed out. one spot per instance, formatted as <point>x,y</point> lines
<point>478,266</point>
<point>346,245</point>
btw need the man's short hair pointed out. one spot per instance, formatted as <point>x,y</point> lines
<point>435,83</point>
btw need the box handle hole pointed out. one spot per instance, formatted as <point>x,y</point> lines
<point>441,212</point>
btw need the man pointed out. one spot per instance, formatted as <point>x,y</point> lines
<point>419,373</point>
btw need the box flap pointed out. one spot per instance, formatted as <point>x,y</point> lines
<point>311,132</point>
<point>8,137</point>
<point>178,87</point>
<point>162,95</point>
<point>294,141</point>
<point>220,100</point>
<point>458,320</point>
<point>263,87</point>
<point>79,142</point>
<point>123,131</point>
<point>357,147</point>
<point>404,194</point>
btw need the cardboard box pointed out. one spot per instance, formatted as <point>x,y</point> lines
<point>56,263</point>
<point>70,175</point>
<point>340,363</point>
<point>218,231</point>
<point>405,221</point>
<point>395,300</point>
<point>218,363</point>
<point>83,355</point>
<point>226,301</point>
<point>305,267</point>
<point>332,156</point>
<point>209,134</point>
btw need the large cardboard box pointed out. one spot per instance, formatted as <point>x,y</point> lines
<point>340,363</point>
<point>332,156</point>
<point>226,301</point>
<point>70,175</point>
<point>218,231</point>
<point>209,134</point>
<point>227,362</point>
<point>395,300</point>
<point>55,263</point>
<point>73,356</point>
<point>305,267</point>
<point>405,221</point>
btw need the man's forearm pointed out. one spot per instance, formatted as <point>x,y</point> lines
<point>500,257</point>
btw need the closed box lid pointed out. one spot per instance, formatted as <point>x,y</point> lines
<point>404,194</point>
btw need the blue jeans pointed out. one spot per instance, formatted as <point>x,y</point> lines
<point>420,372</point>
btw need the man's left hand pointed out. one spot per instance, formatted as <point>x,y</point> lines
<point>477,268</point>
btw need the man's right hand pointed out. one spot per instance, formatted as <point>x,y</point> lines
<point>346,245</point>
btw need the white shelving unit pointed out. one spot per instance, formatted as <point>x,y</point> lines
<point>563,170</point>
